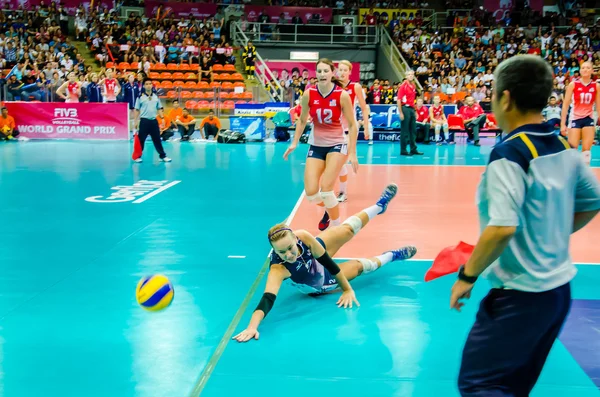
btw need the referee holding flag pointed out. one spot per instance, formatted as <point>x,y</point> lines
<point>535,192</point>
<point>147,106</point>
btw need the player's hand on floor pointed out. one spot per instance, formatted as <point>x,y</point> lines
<point>246,335</point>
<point>347,298</point>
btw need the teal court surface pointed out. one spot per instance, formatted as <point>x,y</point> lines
<point>81,224</point>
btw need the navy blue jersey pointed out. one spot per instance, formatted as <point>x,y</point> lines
<point>306,270</point>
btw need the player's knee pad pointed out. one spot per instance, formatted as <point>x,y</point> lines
<point>446,127</point>
<point>315,198</point>
<point>344,170</point>
<point>368,265</point>
<point>329,199</point>
<point>437,128</point>
<point>355,223</point>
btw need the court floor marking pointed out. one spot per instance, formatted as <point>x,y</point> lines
<point>216,356</point>
<point>431,260</point>
<point>154,193</point>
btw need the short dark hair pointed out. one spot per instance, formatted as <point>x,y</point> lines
<point>146,79</point>
<point>529,80</point>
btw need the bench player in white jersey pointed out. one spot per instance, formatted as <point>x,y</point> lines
<point>357,96</point>
<point>583,95</point>
<point>330,149</point>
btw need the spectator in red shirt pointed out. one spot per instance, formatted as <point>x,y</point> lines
<point>423,121</point>
<point>407,94</point>
<point>473,117</point>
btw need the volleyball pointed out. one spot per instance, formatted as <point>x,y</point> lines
<point>154,293</point>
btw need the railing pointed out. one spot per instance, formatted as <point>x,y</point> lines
<point>396,59</point>
<point>311,33</point>
<point>262,72</point>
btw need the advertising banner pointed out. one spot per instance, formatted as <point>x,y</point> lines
<point>101,121</point>
<point>179,10</point>
<point>252,127</point>
<point>502,8</point>
<point>306,13</point>
<point>387,14</point>
<point>70,5</point>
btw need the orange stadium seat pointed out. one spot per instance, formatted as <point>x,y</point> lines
<point>167,84</point>
<point>191,105</point>
<point>202,85</point>
<point>191,85</point>
<point>186,94</point>
<point>198,95</point>
<point>191,76</point>
<point>456,122</point>
<point>177,76</point>
<point>178,84</point>
<point>172,66</point>
<point>237,77</point>
<point>124,65</point>
<point>209,95</point>
<point>184,67</point>
<point>154,75</point>
<point>165,76</point>
<point>214,84</point>
<point>229,68</point>
<point>158,66</point>
<point>217,68</point>
<point>134,65</point>
<point>227,85</point>
<point>171,94</point>
<point>222,76</point>
<point>247,95</point>
<point>110,65</point>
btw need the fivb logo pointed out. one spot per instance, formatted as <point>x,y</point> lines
<point>136,193</point>
<point>66,116</point>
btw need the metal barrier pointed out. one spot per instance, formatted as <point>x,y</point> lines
<point>311,33</point>
<point>262,73</point>
<point>390,49</point>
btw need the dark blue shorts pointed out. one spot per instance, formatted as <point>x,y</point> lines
<point>582,123</point>
<point>321,152</point>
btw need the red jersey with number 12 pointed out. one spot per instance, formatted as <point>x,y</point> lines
<point>584,98</point>
<point>326,113</point>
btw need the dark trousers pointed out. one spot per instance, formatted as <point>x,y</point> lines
<point>210,130</point>
<point>510,341</point>
<point>150,127</point>
<point>474,126</point>
<point>426,128</point>
<point>408,132</point>
<point>167,134</point>
<point>14,134</point>
<point>186,131</point>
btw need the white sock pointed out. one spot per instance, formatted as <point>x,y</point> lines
<point>385,258</point>
<point>335,222</point>
<point>372,211</point>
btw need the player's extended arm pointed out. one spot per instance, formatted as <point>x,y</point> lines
<point>360,95</point>
<point>302,120</point>
<point>277,274</point>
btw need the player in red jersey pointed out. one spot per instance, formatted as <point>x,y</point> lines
<point>356,94</point>
<point>583,94</point>
<point>329,147</point>
<point>70,90</point>
<point>110,87</point>
<point>438,120</point>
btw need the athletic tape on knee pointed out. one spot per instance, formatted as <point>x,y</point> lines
<point>344,171</point>
<point>315,198</point>
<point>354,222</point>
<point>329,199</point>
<point>368,265</point>
<point>438,127</point>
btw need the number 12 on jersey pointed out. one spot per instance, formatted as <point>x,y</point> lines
<point>324,116</point>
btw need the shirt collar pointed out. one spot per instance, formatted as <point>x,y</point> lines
<point>543,128</point>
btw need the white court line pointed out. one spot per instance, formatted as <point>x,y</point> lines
<point>227,336</point>
<point>154,193</point>
<point>431,260</point>
<point>236,256</point>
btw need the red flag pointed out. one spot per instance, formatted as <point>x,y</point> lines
<point>137,148</point>
<point>449,260</point>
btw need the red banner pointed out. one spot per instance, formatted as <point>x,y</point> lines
<point>59,120</point>
<point>70,5</point>
<point>502,8</point>
<point>179,10</point>
<point>306,13</point>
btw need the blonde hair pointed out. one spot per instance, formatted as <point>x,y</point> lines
<point>347,63</point>
<point>278,232</point>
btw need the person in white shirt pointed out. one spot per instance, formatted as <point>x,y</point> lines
<point>535,192</point>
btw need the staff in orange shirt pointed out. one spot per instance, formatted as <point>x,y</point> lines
<point>164,124</point>
<point>210,126</point>
<point>186,124</point>
<point>7,126</point>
